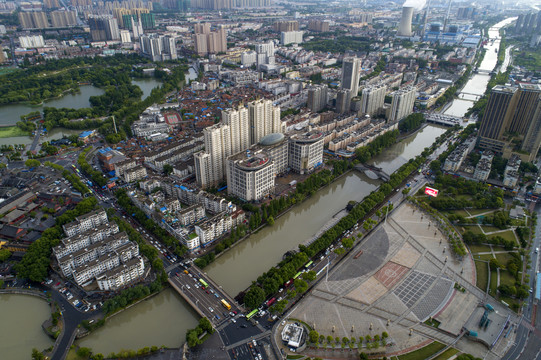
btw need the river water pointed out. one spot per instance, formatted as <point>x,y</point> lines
<point>477,85</point>
<point>20,328</point>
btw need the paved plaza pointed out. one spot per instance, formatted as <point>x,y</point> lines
<point>405,275</point>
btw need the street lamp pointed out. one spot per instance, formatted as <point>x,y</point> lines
<point>386,212</point>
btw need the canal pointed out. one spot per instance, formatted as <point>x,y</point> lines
<point>477,85</point>
<point>20,328</point>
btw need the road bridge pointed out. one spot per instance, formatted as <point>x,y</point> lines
<point>376,170</point>
<point>205,300</point>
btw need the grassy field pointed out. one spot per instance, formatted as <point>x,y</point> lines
<point>11,131</point>
<point>446,354</point>
<point>479,248</point>
<point>474,229</point>
<point>480,211</point>
<point>486,257</point>
<point>423,353</point>
<point>506,278</point>
<point>481,268</point>
<point>493,282</point>
<point>504,258</point>
<point>490,228</point>
<point>457,212</point>
<point>508,235</point>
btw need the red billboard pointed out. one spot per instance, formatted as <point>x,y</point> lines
<point>431,192</point>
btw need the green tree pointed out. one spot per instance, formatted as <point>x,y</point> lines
<point>37,355</point>
<point>313,336</point>
<point>4,255</point>
<point>83,352</point>
<point>309,276</point>
<point>270,220</point>
<point>32,163</point>
<point>254,297</point>
<point>167,169</point>
<point>347,242</point>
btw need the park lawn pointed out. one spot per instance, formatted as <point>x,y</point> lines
<point>486,257</point>
<point>513,303</point>
<point>294,357</point>
<point>424,352</point>
<point>493,282</point>
<point>12,131</point>
<point>508,235</point>
<point>506,278</point>
<point>474,229</point>
<point>504,258</point>
<point>457,212</point>
<point>488,229</point>
<point>480,211</point>
<point>446,354</point>
<point>475,248</point>
<point>481,270</point>
<point>72,355</point>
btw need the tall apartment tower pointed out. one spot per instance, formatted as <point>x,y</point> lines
<point>343,101</point>
<point>404,29</point>
<point>202,28</point>
<point>372,99</point>
<point>351,70</point>
<point>33,20</point>
<point>63,18</point>
<point>207,41</point>
<point>525,103</point>
<point>103,28</point>
<point>290,25</point>
<point>402,103</point>
<point>317,97</point>
<point>239,126</point>
<point>264,120</point>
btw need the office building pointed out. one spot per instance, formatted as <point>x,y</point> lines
<point>33,20</point>
<point>372,99</point>
<point>158,47</point>
<point>63,18</point>
<point>250,175</point>
<point>28,42</point>
<point>291,37</point>
<point>319,26</point>
<point>317,97</point>
<point>306,151</point>
<point>290,25</point>
<point>402,103</point>
<point>351,72</point>
<point>103,28</point>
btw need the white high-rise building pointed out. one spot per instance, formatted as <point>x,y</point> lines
<point>291,37</point>
<point>351,72</point>
<point>34,41</point>
<point>264,120</point>
<point>125,36</point>
<point>137,28</point>
<point>372,99</point>
<point>402,104</point>
<point>239,126</point>
<point>248,58</point>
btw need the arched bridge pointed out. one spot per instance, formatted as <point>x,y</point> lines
<point>376,170</point>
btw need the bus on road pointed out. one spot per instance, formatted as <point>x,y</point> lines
<point>226,304</point>
<point>203,282</point>
<point>251,314</point>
